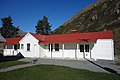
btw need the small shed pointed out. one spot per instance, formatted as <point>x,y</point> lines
<point>2,42</point>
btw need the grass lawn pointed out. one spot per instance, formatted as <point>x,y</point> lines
<point>52,72</point>
<point>11,63</point>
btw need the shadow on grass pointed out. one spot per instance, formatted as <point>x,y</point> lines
<point>105,68</point>
<point>11,58</point>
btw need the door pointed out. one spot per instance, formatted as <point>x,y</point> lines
<point>85,50</point>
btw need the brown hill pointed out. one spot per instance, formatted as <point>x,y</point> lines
<point>99,16</point>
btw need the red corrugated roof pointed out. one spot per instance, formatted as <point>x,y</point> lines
<point>39,36</point>
<point>77,37</point>
<point>66,38</point>
<point>13,40</point>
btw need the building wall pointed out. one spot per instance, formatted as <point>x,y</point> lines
<point>10,52</point>
<point>34,46</point>
<point>70,50</point>
<point>42,50</point>
<point>52,54</point>
<point>103,49</point>
<point>85,54</point>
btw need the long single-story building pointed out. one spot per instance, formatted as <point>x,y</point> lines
<point>90,45</point>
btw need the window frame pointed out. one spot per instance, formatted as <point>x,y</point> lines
<point>28,46</point>
<point>56,47</point>
<point>16,46</point>
<point>22,46</point>
<point>81,48</point>
<point>87,47</point>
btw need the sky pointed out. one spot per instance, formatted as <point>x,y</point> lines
<point>26,13</point>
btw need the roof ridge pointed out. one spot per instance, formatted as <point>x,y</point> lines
<point>78,33</point>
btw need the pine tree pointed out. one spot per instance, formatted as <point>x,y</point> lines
<point>39,27</point>
<point>43,26</point>
<point>7,29</point>
<point>47,27</point>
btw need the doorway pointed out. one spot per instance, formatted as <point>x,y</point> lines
<point>85,49</point>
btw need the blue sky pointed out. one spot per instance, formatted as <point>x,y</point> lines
<point>25,13</point>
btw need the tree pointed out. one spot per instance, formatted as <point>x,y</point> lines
<point>7,29</point>
<point>39,27</point>
<point>47,26</point>
<point>43,26</point>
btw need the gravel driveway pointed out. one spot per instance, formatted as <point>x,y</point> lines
<point>80,64</point>
<point>96,66</point>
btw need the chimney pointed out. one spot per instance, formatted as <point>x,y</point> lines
<point>74,31</point>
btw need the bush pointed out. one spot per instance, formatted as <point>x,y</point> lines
<point>117,52</point>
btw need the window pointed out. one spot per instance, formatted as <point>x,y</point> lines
<point>16,46</point>
<point>9,46</point>
<point>22,46</point>
<point>81,48</point>
<point>86,48</point>
<point>51,47</point>
<point>56,47</point>
<point>5,46</point>
<point>28,47</point>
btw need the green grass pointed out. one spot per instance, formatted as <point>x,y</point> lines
<point>11,63</point>
<point>51,72</point>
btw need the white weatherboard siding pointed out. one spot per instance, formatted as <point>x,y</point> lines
<point>10,52</point>
<point>53,53</point>
<point>34,46</point>
<point>57,54</point>
<point>67,50</point>
<point>103,49</point>
<point>42,50</point>
<point>70,50</point>
<point>46,52</point>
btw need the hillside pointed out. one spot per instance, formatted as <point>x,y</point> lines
<point>21,33</point>
<point>100,16</point>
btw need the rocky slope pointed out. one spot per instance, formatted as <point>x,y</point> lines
<point>100,16</point>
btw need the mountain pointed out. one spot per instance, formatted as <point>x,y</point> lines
<point>102,15</point>
<point>21,33</point>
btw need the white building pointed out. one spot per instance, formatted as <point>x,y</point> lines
<point>92,45</point>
